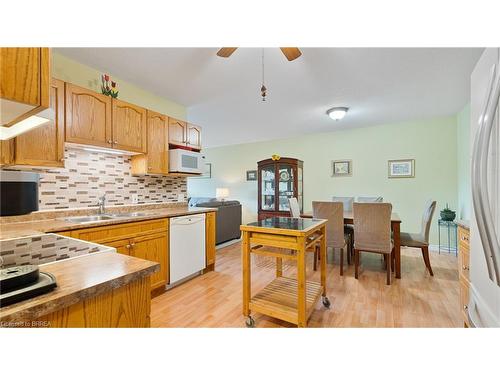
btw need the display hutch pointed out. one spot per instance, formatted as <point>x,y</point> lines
<point>279,179</point>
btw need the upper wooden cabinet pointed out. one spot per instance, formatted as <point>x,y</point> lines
<point>182,133</point>
<point>24,82</point>
<point>129,127</point>
<point>177,132</point>
<point>155,161</point>
<point>193,136</point>
<point>88,117</point>
<point>43,146</point>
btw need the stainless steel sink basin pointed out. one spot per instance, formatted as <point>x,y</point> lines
<point>130,214</point>
<point>89,219</point>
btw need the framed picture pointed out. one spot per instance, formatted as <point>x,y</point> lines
<point>341,168</point>
<point>402,168</point>
<point>252,175</point>
<point>207,173</point>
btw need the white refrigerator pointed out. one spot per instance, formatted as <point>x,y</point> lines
<point>484,304</point>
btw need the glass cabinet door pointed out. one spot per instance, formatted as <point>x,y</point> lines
<point>268,188</point>
<point>285,186</point>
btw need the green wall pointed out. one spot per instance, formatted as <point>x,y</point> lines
<point>72,71</point>
<point>463,164</point>
<point>431,143</point>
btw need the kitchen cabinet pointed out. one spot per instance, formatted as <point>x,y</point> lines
<point>193,136</point>
<point>210,232</point>
<point>88,117</point>
<point>177,132</point>
<point>463,271</point>
<point>155,161</point>
<point>24,82</point>
<point>181,133</point>
<point>128,126</point>
<point>42,146</point>
<point>144,239</point>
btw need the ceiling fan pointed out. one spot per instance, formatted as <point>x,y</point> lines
<point>291,53</point>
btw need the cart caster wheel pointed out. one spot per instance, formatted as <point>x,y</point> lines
<point>326,302</point>
<point>250,323</point>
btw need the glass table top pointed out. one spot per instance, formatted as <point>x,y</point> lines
<point>290,223</point>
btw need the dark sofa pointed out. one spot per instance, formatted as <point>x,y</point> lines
<point>228,217</point>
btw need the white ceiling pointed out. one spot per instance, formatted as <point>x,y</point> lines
<point>380,85</point>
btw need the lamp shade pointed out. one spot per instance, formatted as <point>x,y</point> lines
<point>221,193</point>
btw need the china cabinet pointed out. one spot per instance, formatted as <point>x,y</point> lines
<point>278,181</point>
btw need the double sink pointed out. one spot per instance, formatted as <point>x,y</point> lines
<point>102,217</point>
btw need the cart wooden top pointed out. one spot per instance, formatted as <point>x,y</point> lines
<point>289,226</point>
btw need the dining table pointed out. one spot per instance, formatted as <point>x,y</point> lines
<point>396,233</point>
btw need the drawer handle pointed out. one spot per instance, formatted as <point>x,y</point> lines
<point>465,267</point>
<point>127,247</point>
<point>466,307</point>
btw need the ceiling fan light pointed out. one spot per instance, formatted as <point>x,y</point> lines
<point>337,113</point>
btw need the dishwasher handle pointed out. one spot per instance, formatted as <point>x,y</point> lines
<point>187,220</point>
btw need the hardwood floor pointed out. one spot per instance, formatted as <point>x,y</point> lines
<point>417,300</point>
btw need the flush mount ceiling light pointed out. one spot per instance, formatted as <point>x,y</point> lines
<point>337,113</point>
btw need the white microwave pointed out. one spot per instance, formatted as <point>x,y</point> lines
<point>186,161</point>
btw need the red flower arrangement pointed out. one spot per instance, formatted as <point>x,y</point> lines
<point>106,88</point>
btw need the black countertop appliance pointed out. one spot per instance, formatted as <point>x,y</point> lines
<point>19,192</point>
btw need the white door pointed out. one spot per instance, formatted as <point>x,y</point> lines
<point>187,246</point>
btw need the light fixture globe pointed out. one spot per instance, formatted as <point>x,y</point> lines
<point>337,113</point>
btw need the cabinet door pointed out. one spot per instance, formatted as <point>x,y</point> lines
<point>44,146</point>
<point>176,132</point>
<point>129,127</point>
<point>157,143</point>
<point>194,136</point>
<point>155,249</point>
<point>88,117</point>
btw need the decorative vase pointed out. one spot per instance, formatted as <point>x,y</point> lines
<point>447,214</point>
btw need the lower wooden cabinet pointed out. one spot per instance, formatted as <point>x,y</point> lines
<point>210,231</point>
<point>144,239</point>
<point>463,271</point>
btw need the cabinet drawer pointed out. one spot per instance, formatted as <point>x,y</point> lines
<point>463,262</point>
<point>109,233</point>
<point>463,237</point>
<point>464,297</point>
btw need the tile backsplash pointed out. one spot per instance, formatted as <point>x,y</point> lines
<point>88,175</point>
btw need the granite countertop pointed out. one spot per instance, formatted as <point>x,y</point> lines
<point>77,279</point>
<point>58,224</point>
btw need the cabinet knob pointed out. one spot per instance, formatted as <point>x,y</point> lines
<point>465,267</point>
<point>466,307</point>
<point>61,160</point>
<point>132,244</point>
<point>127,247</point>
<point>110,141</point>
<point>115,142</point>
<point>149,168</point>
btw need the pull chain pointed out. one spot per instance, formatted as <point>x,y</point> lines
<point>263,89</point>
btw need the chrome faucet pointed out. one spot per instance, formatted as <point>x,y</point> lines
<point>102,204</point>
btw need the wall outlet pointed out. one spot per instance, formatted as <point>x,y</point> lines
<point>135,199</point>
<point>180,197</point>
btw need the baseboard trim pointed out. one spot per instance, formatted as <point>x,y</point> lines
<point>227,243</point>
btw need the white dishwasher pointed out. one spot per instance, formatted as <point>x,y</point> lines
<point>187,246</point>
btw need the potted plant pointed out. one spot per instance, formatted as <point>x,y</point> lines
<point>447,214</point>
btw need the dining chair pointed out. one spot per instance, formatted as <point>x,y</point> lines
<point>295,212</point>
<point>348,229</point>
<point>372,233</point>
<point>421,239</point>
<point>370,199</point>
<point>335,236</point>
<point>294,207</point>
<point>346,201</point>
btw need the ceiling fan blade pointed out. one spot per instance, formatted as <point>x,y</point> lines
<point>291,53</point>
<point>226,51</point>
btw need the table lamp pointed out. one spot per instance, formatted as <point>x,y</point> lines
<point>221,193</point>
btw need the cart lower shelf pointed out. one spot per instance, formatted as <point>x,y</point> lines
<point>279,299</point>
